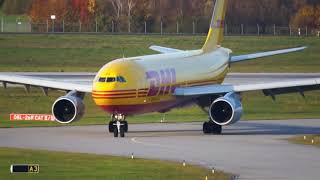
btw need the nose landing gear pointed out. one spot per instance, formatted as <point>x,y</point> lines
<point>118,125</point>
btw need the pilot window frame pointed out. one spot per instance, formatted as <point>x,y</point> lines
<point>112,79</point>
<point>121,79</point>
<point>102,79</point>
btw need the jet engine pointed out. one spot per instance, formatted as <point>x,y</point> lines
<point>69,108</point>
<point>226,110</point>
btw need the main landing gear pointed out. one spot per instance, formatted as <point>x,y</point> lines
<point>118,125</point>
<point>211,128</point>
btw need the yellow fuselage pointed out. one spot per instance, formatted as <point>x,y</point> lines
<point>147,83</point>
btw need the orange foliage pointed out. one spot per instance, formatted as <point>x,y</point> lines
<point>91,6</point>
<point>74,9</point>
<point>250,12</point>
<point>317,16</point>
<point>37,11</point>
<point>83,9</point>
<point>42,10</point>
<point>307,16</point>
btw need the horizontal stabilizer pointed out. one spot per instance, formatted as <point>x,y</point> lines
<point>246,57</point>
<point>164,50</point>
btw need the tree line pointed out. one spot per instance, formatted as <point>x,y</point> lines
<point>130,15</point>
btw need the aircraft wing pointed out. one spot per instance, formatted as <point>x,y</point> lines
<point>44,83</point>
<point>246,57</point>
<point>269,89</point>
<point>164,50</point>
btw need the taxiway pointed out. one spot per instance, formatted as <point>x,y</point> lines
<point>250,149</point>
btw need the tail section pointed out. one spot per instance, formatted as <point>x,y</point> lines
<point>215,34</point>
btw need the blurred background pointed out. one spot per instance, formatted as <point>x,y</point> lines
<point>249,17</point>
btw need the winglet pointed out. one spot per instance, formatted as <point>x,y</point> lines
<point>215,34</point>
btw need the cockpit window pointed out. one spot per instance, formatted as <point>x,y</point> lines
<point>111,79</point>
<point>102,79</point>
<point>120,79</point>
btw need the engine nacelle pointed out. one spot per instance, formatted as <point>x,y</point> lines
<point>226,110</point>
<point>69,108</point>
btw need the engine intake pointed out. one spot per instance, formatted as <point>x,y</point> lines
<point>69,108</point>
<point>226,110</point>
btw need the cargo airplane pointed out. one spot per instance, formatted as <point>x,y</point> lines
<point>173,78</point>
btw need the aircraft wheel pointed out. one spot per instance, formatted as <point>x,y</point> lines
<point>211,128</point>
<point>206,128</point>
<point>125,126</point>
<point>216,128</point>
<point>111,126</point>
<point>122,131</point>
<point>115,132</point>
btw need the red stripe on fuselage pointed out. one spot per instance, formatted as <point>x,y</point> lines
<point>122,95</point>
<point>128,94</point>
<point>115,97</point>
<point>139,108</point>
<point>145,90</point>
<point>124,90</point>
<point>118,94</point>
<point>115,91</point>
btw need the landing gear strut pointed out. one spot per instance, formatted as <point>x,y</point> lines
<point>211,128</point>
<point>118,125</point>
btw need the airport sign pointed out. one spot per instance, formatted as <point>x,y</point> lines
<point>31,117</point>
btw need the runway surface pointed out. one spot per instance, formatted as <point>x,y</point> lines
<point>250,149</point>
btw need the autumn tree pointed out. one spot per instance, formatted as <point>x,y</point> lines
<point>130,5</point>
<point>42,10</point>
<point>104,14</point>
<point>16,6</point>
<point>117,7</point>
<point>317,16</point>
<point>38,11</point>
<point>130,15</point>
<point>1,3</point>
<point>143,12</point>
<point>307,16</point>
<point>80,10</point>
<point>91,6</point>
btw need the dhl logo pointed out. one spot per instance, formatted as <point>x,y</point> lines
<point>161,82</point>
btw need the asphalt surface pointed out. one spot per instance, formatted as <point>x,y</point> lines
<point>249,149</point>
